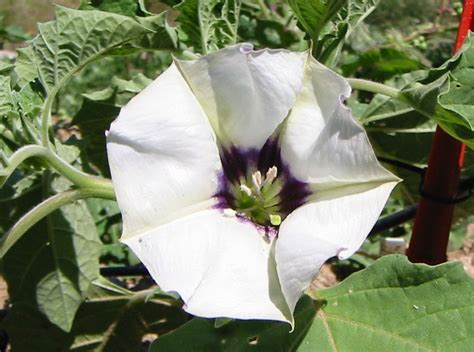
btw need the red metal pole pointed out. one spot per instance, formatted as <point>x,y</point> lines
<point>429,240</point>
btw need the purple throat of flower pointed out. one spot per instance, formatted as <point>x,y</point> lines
<point>256,186</point>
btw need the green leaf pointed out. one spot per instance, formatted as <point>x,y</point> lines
<point>337,32</point>
<point>208,25</point>
<point>382,64</point>
<point>392,115</point>
<point>30,101</point>
<point>122,7</point>
<point>19,194</point>
<point>52,266</point>
<point>416,144</point>
<point>393,305</point>
<point>445,94</point>
<point>396,306</point>
<point>7,105</point>
<point>93,119</point>
<point>61,291</point>
<point>71,41</point>
<point>161,35</point>
<point>25,66</point>
<point>313,15</point>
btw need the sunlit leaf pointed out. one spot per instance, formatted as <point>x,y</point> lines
<point>7,105</point>
<point>72,40</point>
<point>338,31</point>
<point>445,95</point>
<point>123,7</point>
<point>208,25</point>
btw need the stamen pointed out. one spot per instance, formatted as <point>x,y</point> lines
<point>257,180</point>
<point>246,190</point>
<point>271,174</point>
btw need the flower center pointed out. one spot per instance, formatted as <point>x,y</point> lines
<point>257,197</point>
<point>257,186</point>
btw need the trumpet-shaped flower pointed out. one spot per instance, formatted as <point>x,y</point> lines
<point>239,174</point>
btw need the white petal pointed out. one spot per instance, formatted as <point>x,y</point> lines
<point>221,266</point>
<point>320,230</point>
<point>246,94</point>
<point>162,155</point>
<point>321,142</point>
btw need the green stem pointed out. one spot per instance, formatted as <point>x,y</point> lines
<point>265,10</point>
<point>44,209</point>
<point>45,117</point>
<point>77,177</point>
<point>374,87</point>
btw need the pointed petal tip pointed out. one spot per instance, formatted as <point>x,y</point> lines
<point>246,48</point>
<point>199,257</point>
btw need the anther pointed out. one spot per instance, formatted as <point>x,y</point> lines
<point>257,180</point>
<point>271,174</point>
<point>246,190</point>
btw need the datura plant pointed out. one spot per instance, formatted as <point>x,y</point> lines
<point>234,176</point>
<point>239,174</point>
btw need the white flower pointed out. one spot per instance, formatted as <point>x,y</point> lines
<point>239,174</point>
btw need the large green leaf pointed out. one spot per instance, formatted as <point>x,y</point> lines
<point>52,266</point>
<point>208,25</point>
<point>394,306</point>
<point>71,41</point>
<point>391,306</point>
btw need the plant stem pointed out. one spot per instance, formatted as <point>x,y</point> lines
<point>44,209</point>
<point>79,178</point>
<point>374,87</point>
<point>45,117</point>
